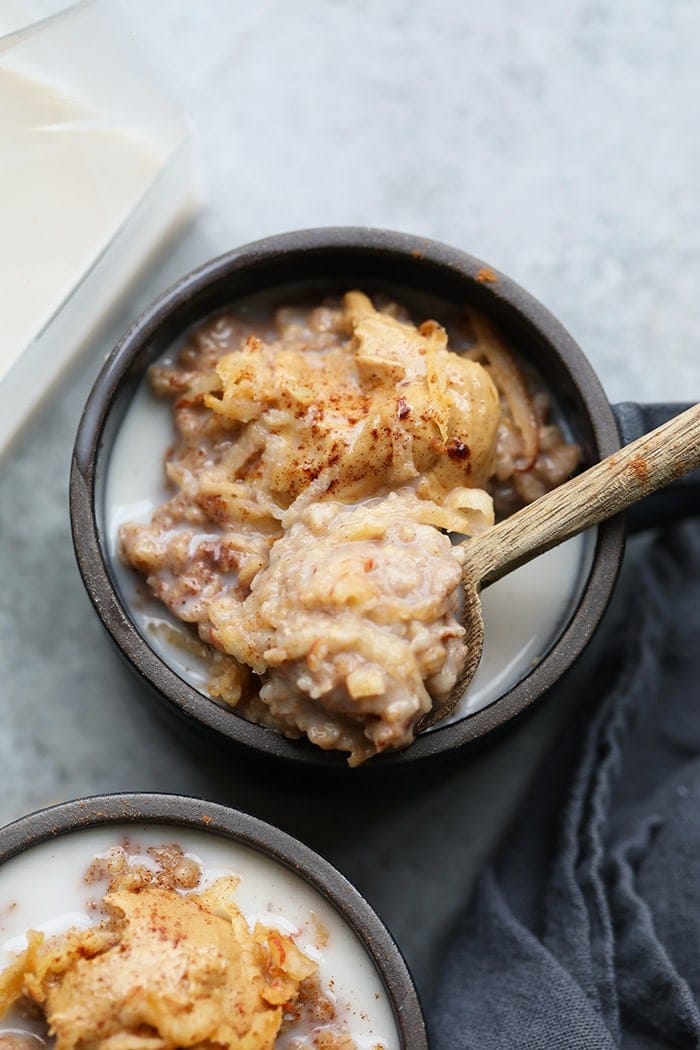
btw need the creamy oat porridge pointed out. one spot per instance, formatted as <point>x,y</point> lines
<point>145,943</point>
<point>321,458</point>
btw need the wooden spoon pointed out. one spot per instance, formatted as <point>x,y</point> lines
<point>603,490</point>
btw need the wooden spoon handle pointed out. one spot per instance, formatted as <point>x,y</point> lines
<point>603,490</point>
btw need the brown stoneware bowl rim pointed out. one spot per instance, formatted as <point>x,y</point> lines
<point>382,248</point>
<point>148,808</point>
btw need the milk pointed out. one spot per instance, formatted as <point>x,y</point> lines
<point>94,175</point>
<point>54,230</point>
<point>524,613</point>
<point>43,889</point>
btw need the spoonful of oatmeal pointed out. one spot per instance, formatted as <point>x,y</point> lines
<point>605,489</point>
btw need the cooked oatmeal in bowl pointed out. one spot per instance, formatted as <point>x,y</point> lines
<point>297,557</point>
<point>170,922</point>
<point>321,462</point>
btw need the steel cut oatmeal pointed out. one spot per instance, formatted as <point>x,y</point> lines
<point>321,458</point>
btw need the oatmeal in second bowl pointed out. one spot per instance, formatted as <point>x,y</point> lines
<point>170,922</point>
<point>275,501</point>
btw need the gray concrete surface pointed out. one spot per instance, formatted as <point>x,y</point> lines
<point>559,143</point>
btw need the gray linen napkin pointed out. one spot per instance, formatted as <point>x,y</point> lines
<point>586,931</point>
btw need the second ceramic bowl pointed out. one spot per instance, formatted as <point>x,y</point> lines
<point>44,856</point>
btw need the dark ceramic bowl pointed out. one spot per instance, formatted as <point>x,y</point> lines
<point>333,259</point>
<point>174,811</point>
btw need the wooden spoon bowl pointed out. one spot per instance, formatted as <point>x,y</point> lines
<point>605,489</point>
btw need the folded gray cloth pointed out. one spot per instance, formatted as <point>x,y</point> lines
<point>586,931</point>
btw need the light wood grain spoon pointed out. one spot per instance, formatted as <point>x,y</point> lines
<point>611,486</point>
